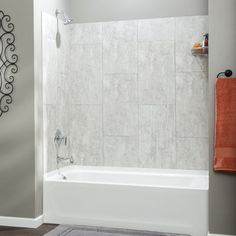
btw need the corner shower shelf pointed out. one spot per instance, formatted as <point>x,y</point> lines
<point>199,51</point>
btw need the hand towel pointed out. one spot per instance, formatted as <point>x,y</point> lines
<point>225,125</point>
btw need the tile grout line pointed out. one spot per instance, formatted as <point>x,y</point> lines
<point>175,104</point>
<point>138,103</point>
<point>69,98</point>
<point>193,137</point>
<point>103,136</point>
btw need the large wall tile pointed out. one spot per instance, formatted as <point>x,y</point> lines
<point>120,30</point>
<point>121,151</point>
<point>86,74</point>
<point>156,72</point>
<point>188,31</point>
<point>86,134</point>
<point>147,138</point>
<point>156,29</point>
<point>120,119</point>
<point>192,153</point>
<point>89,33</point>
<point>157,136</point>
<point>119,57</point>
<point>63,111</point>
<point>50,56</point>
<point>49,26</point>
<point>192,104</point>
<point>63,54</point>
<point>120,88</point>
<point>49,132</point>
<point>186,62</point>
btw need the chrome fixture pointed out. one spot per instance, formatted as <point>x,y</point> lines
<point>61,159</point>
<point>66,19</point>
<point>59,140</point>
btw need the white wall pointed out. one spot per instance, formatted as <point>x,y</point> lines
<point>222,192</point>
<point>111,10</point>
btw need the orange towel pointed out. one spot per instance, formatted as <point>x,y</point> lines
<point>225,125</point>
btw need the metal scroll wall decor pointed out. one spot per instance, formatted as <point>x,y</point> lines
<point>8,60</point>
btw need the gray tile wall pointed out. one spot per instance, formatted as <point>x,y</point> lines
<point>128,93</point>
<point>56,89</point>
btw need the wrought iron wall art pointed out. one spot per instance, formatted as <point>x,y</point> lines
<point>8,62</point>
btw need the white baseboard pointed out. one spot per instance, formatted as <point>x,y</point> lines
<point>219,235</point>
<point>21,222</point>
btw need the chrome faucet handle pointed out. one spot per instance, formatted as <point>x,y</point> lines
<point>59,138</point>
<point>65,159</point>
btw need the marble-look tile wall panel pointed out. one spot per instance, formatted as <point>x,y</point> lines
<point>86,134</point>
<point>48,27</point>
<point>56,95</point>
<point>86,74</point>
<point>63,100</point>
<point>156,72</point>
<point>120,31</point>
<point>49,114</point>
<point>161,29</point>
<point>119,57</point>
<point>192,153</point>
<point>120,119</point>
<point>50,65</point>
<point>87,33</point>
<point>123,150</point>
<point>157,136</point>
<point>121,88</point>
<point>192,105</point>
<point>128,93</point>
<point>188,30</point>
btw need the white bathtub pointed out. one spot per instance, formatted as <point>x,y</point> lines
<point>171,201</point>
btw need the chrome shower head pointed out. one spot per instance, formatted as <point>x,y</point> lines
<point>66,19</point>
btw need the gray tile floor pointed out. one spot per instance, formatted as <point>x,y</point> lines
<point>63,230</point>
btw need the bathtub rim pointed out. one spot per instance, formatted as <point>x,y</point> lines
<point>50,176</point>
<point>132,170</point>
